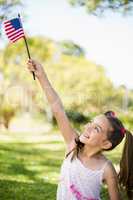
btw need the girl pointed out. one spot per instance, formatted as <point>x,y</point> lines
<point>85,168</point>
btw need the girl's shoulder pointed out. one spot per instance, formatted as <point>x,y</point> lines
<point>104,161</point>
<point>109,170</point>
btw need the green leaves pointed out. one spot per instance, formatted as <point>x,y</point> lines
<point>70,48</point>
<point>100,6</point>
<point>82,85</point>
<point>7,6</point>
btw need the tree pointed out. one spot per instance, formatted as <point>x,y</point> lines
<point>82,85</point>
<point>70,48</point>
<point>6,7</point>
<point>99,6</point>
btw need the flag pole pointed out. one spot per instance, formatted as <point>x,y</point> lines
<point>26,44</point>
<point>27,48</point>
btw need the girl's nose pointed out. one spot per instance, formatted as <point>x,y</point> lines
<point>88,128</point>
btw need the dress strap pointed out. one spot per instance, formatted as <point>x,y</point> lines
<point>105,164</point>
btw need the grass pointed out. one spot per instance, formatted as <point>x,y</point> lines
<point>30,165</point>
<point>29,169</point>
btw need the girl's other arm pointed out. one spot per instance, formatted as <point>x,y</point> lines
<point>68,133</point>
<point>110,177</point>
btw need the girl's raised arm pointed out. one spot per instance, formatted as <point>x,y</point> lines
<point>68,133</point>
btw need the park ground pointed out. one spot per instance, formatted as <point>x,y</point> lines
<point>30,158</point>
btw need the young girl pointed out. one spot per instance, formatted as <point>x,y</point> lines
<point>84,167</point>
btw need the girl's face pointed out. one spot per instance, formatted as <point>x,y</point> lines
<point>95,133</point>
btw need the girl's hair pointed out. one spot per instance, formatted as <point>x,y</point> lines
<point>115,137</point>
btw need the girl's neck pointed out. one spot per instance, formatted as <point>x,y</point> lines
<point>89,152</point>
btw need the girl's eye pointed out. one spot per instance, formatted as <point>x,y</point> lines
<point>97,129</point>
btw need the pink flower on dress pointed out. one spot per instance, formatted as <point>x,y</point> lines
<point>78,194</point>
<point>75,191</point>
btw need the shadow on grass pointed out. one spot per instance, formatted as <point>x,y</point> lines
<point>30,148</point>
<point>15,169</point>
<point>14,190</point>
<point>21,166</point>
<point>25,159</point>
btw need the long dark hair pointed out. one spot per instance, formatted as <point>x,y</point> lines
<point>125,175</point>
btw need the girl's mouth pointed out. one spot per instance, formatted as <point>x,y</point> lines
<point>86,136</point>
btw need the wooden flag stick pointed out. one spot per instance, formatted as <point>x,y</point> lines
<point>26,44</point>
<point>27,48</point>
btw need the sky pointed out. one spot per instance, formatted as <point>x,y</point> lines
<point>107,41</point>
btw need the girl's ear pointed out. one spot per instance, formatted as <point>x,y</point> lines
<point>106,144</point>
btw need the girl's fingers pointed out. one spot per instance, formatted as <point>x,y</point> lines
<point>31,68</point>
<point>30,61</point>
<point>32,65</point>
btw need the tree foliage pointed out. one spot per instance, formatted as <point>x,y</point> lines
<point>99,6</point>
<point>82,85</point>
<point>70,48</point>
<point>6,7</point>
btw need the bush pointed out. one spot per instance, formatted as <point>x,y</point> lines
<point>75,117</point>
<point>7,112</point>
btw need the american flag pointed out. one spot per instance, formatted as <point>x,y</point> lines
<point>14,29</point>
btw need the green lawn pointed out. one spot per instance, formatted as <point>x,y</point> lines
<point>30,165</point>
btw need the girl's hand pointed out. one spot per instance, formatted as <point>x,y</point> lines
<point>35,67</point>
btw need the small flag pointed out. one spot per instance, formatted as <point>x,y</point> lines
<point>14,29</point>
<point>14,32</point>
